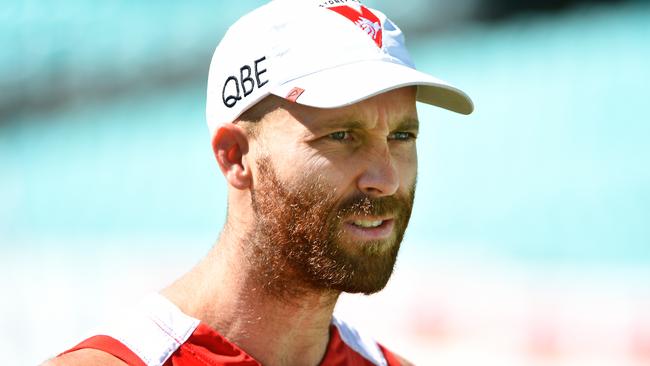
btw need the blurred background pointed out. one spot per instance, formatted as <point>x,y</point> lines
<point>530,237</point>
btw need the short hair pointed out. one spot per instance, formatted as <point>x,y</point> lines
<point>251,118</point>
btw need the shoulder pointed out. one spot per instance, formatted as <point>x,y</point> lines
<point>152,330</point>
<point>85,357</point>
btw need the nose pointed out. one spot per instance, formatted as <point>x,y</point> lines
<point>380,177</point>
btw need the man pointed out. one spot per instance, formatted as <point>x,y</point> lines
<point>311,108</point>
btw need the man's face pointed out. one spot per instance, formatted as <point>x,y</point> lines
<point>332,193</point>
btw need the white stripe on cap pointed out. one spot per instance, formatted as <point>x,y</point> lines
<point>363,345</point>
<point>154,330</point>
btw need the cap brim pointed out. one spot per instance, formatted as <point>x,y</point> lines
<point>348,84</point>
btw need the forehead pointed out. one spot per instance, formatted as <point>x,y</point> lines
<point>384,110</point>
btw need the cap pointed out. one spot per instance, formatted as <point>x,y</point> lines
<point>324,54</point>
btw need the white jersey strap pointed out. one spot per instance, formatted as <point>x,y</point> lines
<point>154,330</point>
<point>363,345</point>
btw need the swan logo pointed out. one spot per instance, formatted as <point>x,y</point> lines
<point>364,19</point>
<point>372,28</point>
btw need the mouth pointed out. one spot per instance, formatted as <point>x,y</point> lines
<point>367,224</point>
<point>370,228</point>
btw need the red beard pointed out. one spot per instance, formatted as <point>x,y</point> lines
<point>297,244</point>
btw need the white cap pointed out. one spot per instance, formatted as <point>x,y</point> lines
<point>320,53</point>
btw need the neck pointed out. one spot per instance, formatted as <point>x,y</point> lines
<point>224,293</point>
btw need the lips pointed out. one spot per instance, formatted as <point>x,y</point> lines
<point>367,223</point>
<point>369,228</point>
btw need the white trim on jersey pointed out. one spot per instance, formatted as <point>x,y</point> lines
<point>154,330</point>
<point>157,328</point>
<point>362,344</point>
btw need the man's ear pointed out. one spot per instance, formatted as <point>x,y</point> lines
<point>230,146</point>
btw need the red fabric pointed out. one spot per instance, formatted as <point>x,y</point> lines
<point>360,18</point>
<point>340,354</point>
<point>391,358</point>
<point>111,346</point>
<point>206,347</point>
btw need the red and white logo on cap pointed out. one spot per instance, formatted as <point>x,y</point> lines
<point>364,19</point>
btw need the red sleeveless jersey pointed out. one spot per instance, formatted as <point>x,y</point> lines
<point>158,333</point>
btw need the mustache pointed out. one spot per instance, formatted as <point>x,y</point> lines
<point>364,205</point>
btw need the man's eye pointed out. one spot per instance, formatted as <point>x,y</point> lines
<point>401,136</point>
<point>340,135</point>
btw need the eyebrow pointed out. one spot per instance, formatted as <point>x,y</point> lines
<point>346,124</point>
<point>407,124</point>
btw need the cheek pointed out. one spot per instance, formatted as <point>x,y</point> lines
<point>302,164</point>
<point>282,152</point>
<point>407,166</point>
<point>329,171</point>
